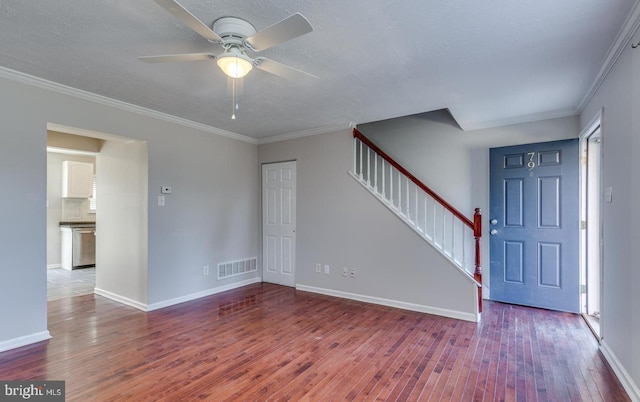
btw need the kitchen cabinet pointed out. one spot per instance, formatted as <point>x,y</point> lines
<point>77,179</point>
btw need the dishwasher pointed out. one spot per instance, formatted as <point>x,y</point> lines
<point>83,247</point>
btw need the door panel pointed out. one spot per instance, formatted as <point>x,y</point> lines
<point>535,225</point>
<point>278,223</point>
<point>513,200</point>
<point>514,262</point>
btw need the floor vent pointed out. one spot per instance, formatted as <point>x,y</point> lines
<point>235,268</point>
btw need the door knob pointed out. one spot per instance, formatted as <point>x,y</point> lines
<point>493,232</point>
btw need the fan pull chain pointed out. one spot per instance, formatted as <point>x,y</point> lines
<point>233,100</point>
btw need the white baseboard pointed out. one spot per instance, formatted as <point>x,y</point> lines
<point>53,266</point>
<point>459,315</point>
<point>625,379</point>
<point>120,299</point>
<point>204,293</point>
<point>24,340</point>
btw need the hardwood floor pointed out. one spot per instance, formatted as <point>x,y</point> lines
<point>267,342</point>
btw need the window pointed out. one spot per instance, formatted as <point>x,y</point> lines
<point>92,200</point>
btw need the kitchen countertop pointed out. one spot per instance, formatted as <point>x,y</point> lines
<point>77,224</point>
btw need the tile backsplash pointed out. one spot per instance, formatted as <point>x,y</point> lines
<point>76,209</point>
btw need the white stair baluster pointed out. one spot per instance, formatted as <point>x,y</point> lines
<point>464,249</point>
<point>426,213</point>
<point>375,172</point>
<point>408,199</point>
<point>435,238</point>
<point>361,157</point>
<point>369,167</point>
<point>384,185</point>
<point>399,192</point>
<point>417,217</point>
<point>453,238</point>
<point>391,184</point>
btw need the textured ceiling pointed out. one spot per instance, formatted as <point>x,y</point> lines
<point>490,62</point>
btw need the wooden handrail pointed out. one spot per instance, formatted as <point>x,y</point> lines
<point>475,225</point>
<point>357,134</point>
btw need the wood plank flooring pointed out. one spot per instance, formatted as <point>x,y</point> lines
<point>267,342</point>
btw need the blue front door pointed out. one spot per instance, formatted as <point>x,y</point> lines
<point>534,225</point>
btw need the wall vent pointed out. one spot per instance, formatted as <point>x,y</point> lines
<point>235,268</point>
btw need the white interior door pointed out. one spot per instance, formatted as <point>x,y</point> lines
<point>279,223</point>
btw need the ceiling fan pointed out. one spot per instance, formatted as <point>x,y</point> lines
<point>237,37</point>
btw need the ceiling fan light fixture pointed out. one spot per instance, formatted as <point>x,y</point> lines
<point>235,64</point>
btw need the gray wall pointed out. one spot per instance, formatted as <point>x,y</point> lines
<point>211,217</point>
<point>619,100</point>
<point>455,163</point>
<point>340,224</point>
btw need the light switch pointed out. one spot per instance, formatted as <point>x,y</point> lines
<point>161,200</point>
<point>608,194</point>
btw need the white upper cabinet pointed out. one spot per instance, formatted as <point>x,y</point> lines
<point>77,179</point>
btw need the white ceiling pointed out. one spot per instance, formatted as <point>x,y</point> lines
<point>491,62</point>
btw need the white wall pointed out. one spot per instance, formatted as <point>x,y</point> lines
<point>211,217</point>
<point>455,163</point>
<point>340,224</point>
<point>619,100</point>
<point>122,229</point>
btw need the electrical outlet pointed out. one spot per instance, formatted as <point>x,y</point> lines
<point>345,271</point>
<point>205,270</point>
<point>352,273</point>
<point>327,269</point>
<point>318,268</point>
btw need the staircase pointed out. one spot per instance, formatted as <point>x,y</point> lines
<point>436,221</point>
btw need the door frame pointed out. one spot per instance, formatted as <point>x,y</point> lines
<point>594,127</point>
<point>136,221</point>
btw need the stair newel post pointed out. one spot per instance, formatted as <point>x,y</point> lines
<point>477,234</point>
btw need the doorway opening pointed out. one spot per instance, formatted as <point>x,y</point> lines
<point>119,215</point>
<point>71,214</point>
<point>591,227</point>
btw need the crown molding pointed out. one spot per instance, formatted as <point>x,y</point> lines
<point>31,80</point>
<point>304,133</point>
<point>628,29</point>
<point>479,125</point>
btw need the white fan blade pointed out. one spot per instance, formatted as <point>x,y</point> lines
<point>289,28</point>
<point>177,57</point>
<point>281,70</point>
<point>190,20</point>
